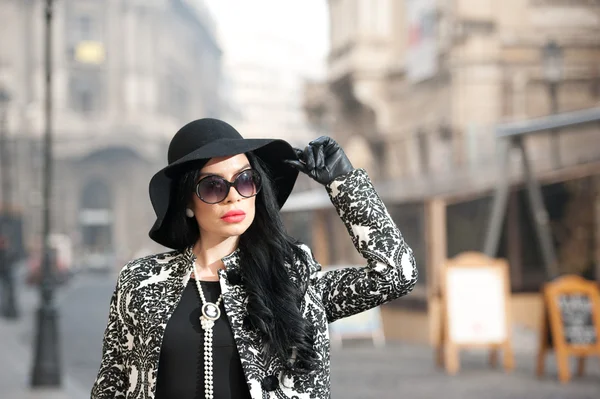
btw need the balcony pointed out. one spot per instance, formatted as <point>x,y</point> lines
<point>466,166</point>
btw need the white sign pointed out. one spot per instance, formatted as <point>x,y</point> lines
<point>422,51</point>
<point>95,217</point>
<point>361,324</point>
<point>367,324</point>
<point>476,305</point>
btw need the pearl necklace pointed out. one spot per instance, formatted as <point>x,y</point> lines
<point>210,313</point>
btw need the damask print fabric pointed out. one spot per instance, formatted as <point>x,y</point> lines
<point>149,289</point>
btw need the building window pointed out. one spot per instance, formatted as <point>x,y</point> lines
<point>179,100</point>
<point>343,21</point>
<point>299,225</point>
<point>176,98</point>
<point>334,23</point>
<point>86,92</point>
<point>83,26</point>
<point>375,17</point>
<point>85,36</point>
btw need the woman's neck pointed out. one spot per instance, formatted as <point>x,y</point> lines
<point>209,253</point>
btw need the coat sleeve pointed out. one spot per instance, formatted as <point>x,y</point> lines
<point>390,271</point>
<point>111,380</point>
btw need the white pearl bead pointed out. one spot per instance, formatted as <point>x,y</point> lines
<point>207,325</point>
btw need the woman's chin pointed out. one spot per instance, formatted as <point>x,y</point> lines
<point>235,230</point>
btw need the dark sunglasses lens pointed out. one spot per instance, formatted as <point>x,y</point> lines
<point>212,189</point>
<point>248,183</point>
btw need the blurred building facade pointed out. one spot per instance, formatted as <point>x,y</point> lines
<point>414,90</point>
<point>127,75</point>
<point>264,76</point>
<point>409,77</point>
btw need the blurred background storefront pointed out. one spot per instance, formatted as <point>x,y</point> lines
<point>414,91</point>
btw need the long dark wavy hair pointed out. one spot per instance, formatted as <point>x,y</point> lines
<point>274,294</point>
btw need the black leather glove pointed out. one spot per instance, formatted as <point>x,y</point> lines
<point>323,160</point>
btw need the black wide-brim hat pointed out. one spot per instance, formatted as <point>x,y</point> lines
<point>199,141</point>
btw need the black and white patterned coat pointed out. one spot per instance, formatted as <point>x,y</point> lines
<point>149,289</point>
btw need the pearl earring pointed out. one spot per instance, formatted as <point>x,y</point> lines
<point>189,213</point>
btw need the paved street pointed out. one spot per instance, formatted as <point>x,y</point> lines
<point>358,371</point>
<point>401,371</point>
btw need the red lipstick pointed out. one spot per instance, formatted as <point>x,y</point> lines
<point>234,216</point>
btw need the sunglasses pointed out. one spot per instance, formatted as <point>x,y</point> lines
<point>214,189</point>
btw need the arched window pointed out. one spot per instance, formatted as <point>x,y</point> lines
<point>96,195</point>
<point>96,220</point>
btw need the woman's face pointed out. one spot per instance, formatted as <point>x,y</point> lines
<point>232,216</point>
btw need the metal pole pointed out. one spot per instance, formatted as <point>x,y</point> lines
<point>5,162</point>
<point>46,368</point>
<point>555,142</point>
<point>9,304</point>
<point>540,215</point>
<point>492,238</point>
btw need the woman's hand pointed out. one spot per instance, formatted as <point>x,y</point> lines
<point>323,160</point>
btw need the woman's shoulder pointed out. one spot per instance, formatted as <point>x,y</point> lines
<point>148,264</point>
<point>302,251</point>
<point>307,257</point>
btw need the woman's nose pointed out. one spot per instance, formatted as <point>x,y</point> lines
<point>233,195</point>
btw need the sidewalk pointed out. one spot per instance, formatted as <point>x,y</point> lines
<point>359,371</point>
<point>409,371</point>
<point>16,347</point>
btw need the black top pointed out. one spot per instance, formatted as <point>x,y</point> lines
<point>181,365</point>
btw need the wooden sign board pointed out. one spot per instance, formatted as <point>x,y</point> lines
<point>475,309</point>
<point>570,324</point>
<point>363,325</point>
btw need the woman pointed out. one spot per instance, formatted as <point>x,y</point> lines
<point>239,309</point>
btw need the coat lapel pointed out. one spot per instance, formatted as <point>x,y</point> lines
<point>163,283</point>
<point>248,343</point>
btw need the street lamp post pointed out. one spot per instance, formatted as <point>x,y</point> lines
<point>46,367</point>
<point>8,303</point>
<point>553,70</point>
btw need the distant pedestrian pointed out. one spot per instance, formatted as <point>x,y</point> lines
<point>240,309</point>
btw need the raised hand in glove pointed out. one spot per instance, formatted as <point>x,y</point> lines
<point>323,160</point>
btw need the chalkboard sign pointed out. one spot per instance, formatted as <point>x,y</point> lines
<point>570,323</point>
<point>577,319</point>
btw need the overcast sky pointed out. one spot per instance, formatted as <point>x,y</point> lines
<point>303,22</point>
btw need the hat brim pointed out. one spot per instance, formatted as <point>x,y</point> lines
<point>271,151</point>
